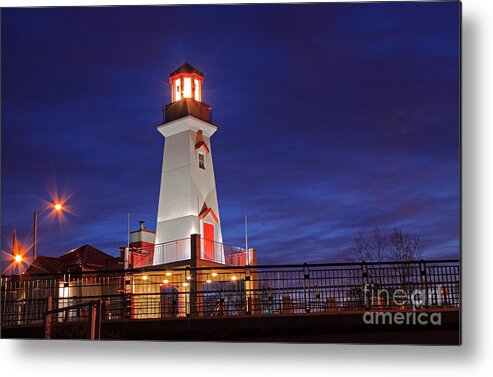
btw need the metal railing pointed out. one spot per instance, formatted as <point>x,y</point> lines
<point>167,252</point>
<point>180,250</point>
<point>89,313</point>
<point>234,291</point>
<point>229,255</point>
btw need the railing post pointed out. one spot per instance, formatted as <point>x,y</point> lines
<point>364,279</point>
<point>306,280</point>
<point>194,250</point>
<point>48,317</point>
<point>194,281</point>
<point>127,298</point>
<point>95,320</point>
<point>92,322</point>
<point>248,291</point>
<point>253,285</point>
<point>424,282</point>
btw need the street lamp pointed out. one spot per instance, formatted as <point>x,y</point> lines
<point>17,260</point>
<point>57,207</point>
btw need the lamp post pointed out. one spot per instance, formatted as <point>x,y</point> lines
<point>57,207</point>
<point>14,252</point>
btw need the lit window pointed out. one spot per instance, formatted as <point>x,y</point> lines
<point>178,92</point>
<point>201,161</point>
<point>187,87</point>
<point>197,90</point>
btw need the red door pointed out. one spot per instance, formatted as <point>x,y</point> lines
<point>208,241</point>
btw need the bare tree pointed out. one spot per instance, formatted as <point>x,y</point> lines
<point>404,247</point>
<point>377,246</point>
<point>397,247</point>
<point>370,248</point>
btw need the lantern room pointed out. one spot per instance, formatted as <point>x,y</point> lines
<point>186,82</point>
<point>186,96</point>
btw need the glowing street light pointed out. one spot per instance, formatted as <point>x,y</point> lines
<point>58,207</point>
<point>17,255</point>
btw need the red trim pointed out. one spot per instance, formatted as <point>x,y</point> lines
<point>201,144</point>
<point>180,75</point>
<point>206,211</point>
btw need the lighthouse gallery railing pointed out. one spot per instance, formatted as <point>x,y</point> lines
<point>180,250</point>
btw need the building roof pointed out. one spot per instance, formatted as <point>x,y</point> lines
<point>186,68</point>
<point>84,258</point>
<point>43,265</point>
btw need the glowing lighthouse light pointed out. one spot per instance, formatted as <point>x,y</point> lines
<point>186,82</point>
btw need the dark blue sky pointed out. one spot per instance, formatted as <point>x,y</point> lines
<point>332,119</point>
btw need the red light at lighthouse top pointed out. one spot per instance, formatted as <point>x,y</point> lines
<point>186,82</point>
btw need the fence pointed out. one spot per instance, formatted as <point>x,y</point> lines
<point>89,312</point>
<point>234,291</point>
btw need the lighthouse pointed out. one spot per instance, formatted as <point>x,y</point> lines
<point>187,199</point>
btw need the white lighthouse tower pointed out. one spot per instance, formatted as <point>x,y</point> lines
<point>187,200</point>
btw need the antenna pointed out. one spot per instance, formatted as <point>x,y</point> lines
<point>246,241</point>
<point>128,230</point>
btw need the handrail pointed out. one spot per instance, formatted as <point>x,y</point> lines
<point>225,267</point>
<point>72,307</point>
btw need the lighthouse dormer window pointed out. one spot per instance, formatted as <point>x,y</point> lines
<point>201,160</point>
